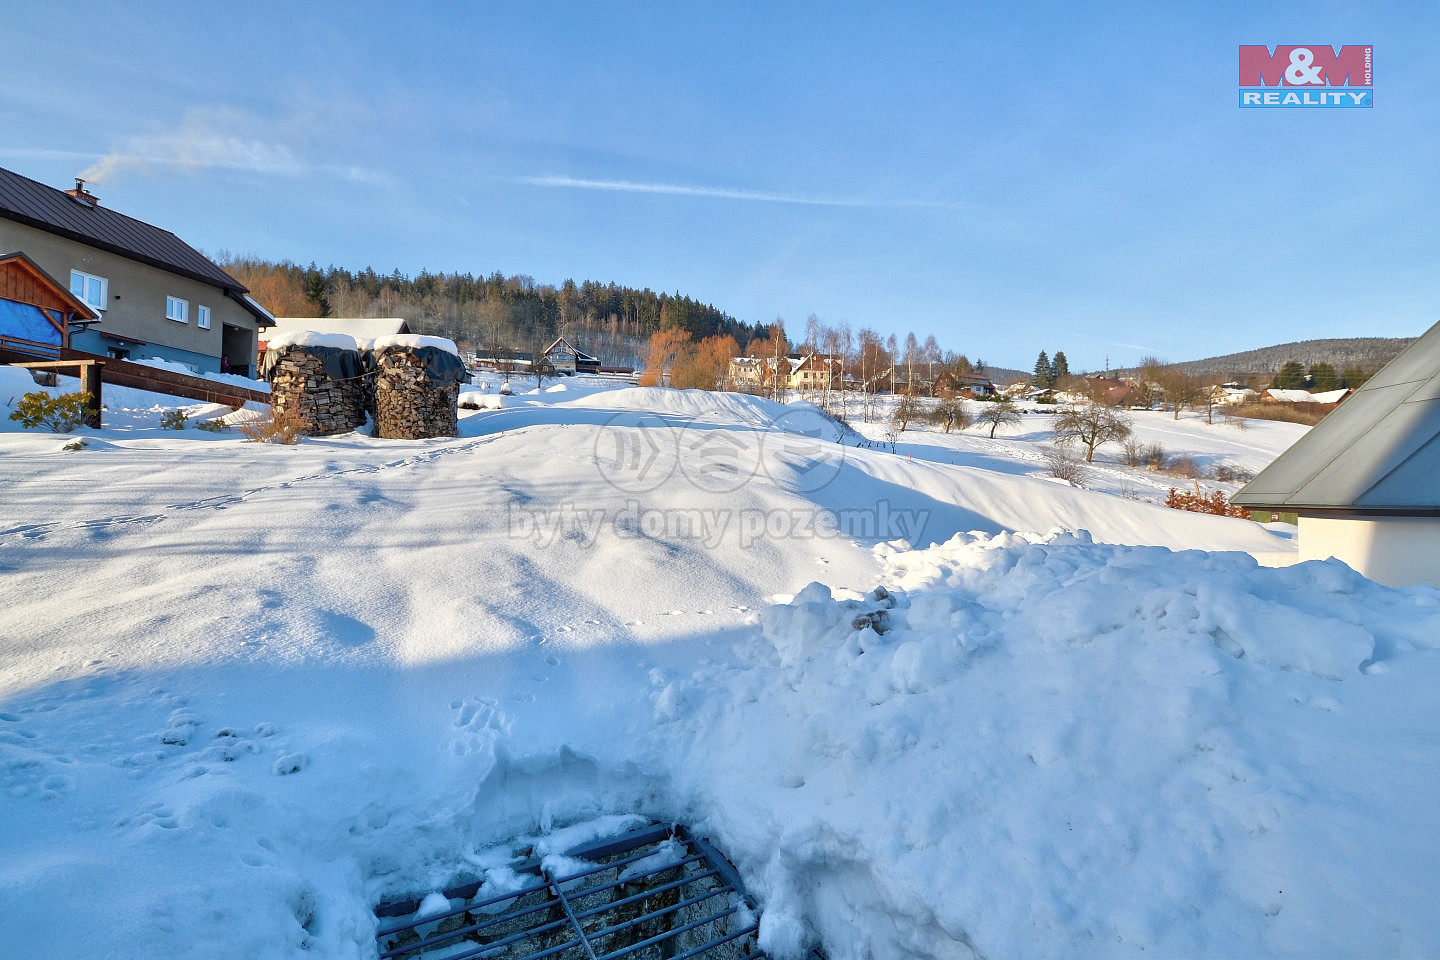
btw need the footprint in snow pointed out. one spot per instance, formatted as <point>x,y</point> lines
<point>290,763</point>
<point>180,727</point>
<point>481,723</point>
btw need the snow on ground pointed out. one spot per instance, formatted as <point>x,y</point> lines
<point>247,691</point>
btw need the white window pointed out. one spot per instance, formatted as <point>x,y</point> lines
<point>177,309</point>
<point>94,291</point>
<point>202,317</point>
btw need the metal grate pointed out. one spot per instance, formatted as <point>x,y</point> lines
<point>657,892</point>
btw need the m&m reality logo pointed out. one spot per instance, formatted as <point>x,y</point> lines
<point>1315,75</point>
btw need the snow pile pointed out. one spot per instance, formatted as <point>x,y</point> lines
<point>311,338</point>
<point>481,400</point>
<point>1061,748</point>
<point>414,341</point>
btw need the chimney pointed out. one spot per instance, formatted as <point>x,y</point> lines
<point>82,195</point>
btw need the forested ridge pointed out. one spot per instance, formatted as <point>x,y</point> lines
<point>1366,353</point>
<point>493,312</point>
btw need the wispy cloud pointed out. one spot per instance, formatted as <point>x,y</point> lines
<point>718,193</point>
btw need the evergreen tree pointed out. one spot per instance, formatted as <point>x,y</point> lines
<point>1290,377</point>
<point>1354,378</point>
<point>315,290</point>
<point>1323,377</point>
<point>1060,366</point>
<point>1042,370</point>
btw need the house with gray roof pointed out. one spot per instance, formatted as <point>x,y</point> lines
<point>156,295</point>
<point>1365,481</point>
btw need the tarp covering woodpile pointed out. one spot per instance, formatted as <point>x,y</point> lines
<point>417,386</point>
<point>321,376</point>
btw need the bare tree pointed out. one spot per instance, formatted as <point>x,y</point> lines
<point>1179,389</point>
<point>999,413</point>
<point>906,410</point>
<point>1152,371</point>
<point>931,351</point>
<point>1090,425</point>
<point>912,354</point>
<point>950,414</point>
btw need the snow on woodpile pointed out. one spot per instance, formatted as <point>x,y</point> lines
<point>417,386</point>
<point>318,376</point>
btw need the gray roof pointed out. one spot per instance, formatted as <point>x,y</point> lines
<point>1378,453</point>
<point>55,211</point>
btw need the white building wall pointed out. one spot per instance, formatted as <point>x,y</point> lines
<point>1395,551</point>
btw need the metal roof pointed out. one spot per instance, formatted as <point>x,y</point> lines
<point>55,211</point>
<point>1378,453</point>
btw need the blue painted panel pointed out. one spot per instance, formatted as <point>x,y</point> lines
<point>27,322</point>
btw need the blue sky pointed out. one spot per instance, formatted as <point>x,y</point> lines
<point>1006,177</point>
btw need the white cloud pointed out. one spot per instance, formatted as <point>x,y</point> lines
<point>683,190</point>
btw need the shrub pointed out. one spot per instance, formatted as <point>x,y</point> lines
<point>80,444</point>
<point>1138,453</point>
<point>1185,466</point>
<point>212,426</point>
<point>1062,464</point>
<point>1286,412</point>
<point>1228,474</point>
<point>57,414</point>
<point>284,425</point>
<point>1199,503</point>
<point>174,420</point>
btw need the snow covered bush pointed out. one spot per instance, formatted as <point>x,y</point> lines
<point>1061,464</point>
<point>57,414</point>
<point>284,425</point>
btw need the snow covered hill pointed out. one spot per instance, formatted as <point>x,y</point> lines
<point>930,702</point>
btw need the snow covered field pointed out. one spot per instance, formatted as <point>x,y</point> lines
<point>248,691</point>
